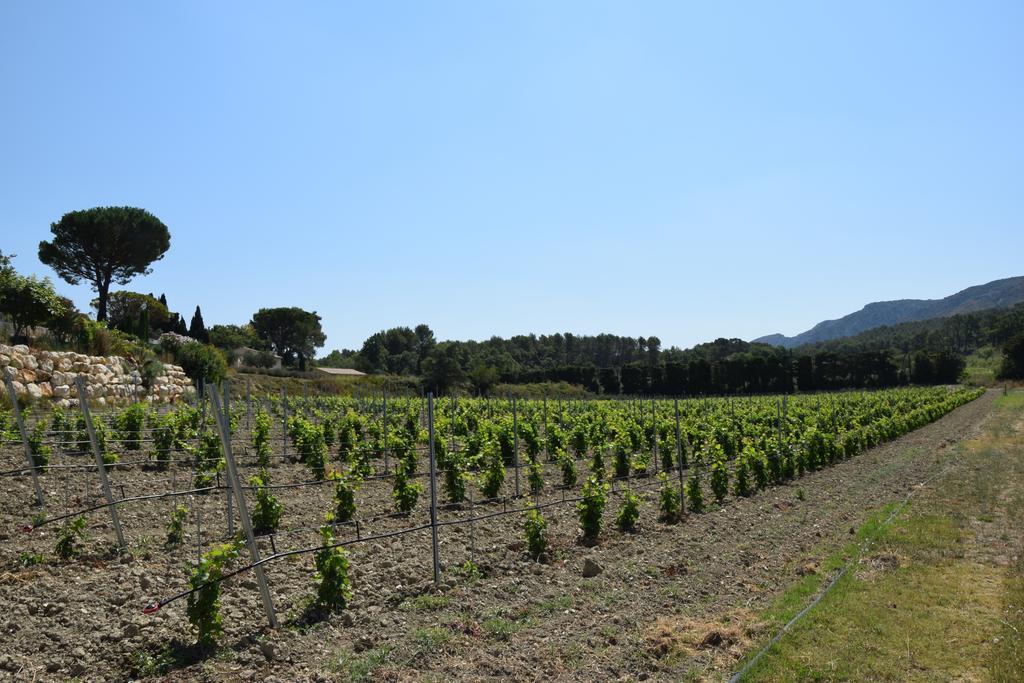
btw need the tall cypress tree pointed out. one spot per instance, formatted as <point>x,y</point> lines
<point>197,330</point>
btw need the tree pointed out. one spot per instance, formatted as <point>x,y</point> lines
<point>1013,358</point>
<point>442,370</point>
<point>344,358</point>
<point>483,377</point>
<point>425,343</point>
<point>292,332</point>
<point>27,301</point>
<point>197,329</point>
<point>125,310</point>
<point>230,337</point>
<point>104,245</point>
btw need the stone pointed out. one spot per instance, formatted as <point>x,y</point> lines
<point>269,650</point>
<point>591,568</point>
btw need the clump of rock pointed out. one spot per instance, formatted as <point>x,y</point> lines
<point>50,375</point>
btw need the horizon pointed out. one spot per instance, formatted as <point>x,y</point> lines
<point>684,173</point>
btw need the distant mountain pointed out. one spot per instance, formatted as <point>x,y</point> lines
<point>995,294</point>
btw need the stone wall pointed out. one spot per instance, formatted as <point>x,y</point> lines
<point>50,375</point>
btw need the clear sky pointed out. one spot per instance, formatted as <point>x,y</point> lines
<point>675,169</point>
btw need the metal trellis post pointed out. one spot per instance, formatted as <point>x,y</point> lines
<point>224,427</point>
<point>83,403</point>
<point>24,436</point>
<point>433,492</point>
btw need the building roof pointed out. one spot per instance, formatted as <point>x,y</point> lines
<point>348,372</point>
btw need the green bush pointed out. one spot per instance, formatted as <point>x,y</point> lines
<point>591,508</point>
<point>261,438</point>
<point>494,469</point>
<point>163,441</point>
<point>266,516</point>
<point>670,501</point>
<point>201,362</point>
<point>176,525</point>
<point>70,539</point>
<point>37,444</point>
<point>568,466</point>
<point>455,478</point>
<point>203,603</point>
<point>345,487</point>
<point>719,480</point>
<point>334,589</point>
<point>535,476</point>
<point>535,528</point>
<point>629,511</point>
<point>694,496</point>
<point>129,424</point>
<point>741,485</point>
<point>404,491</point>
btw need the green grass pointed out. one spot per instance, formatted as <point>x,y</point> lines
<point>360,667</point>
<point>424,603</point>
<point>924,601</point>
<point>982,367</point>
<point>427,639</point>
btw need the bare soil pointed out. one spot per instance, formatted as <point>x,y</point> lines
<point>671,602</point>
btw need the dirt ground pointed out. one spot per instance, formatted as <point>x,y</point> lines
<point>671,602</point>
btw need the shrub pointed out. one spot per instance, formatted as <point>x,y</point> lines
<point>334,589</point>
<point>591,508</point>
<point>494,470</point>
<point>535,476</point>
<point>261,438</point>
<point>758,466</point>
<point>60,426</point>
<point>535,528</point>
<point>405,492</point>
<point>209,459</point>
<point>203,602</point>
<point>266,516</point>
<point>70,539</point>
<point>201,362</point>
<point>719,479</point>
<point>621,458</point>
<point>629,511</point>
<point>667,454</point>
<point>669,500</point>
<point>37,445</point>
<point>455,479</point>
<point>597,464</point>
<point>345,487</point>
<point>568,466</point>
<point>741,487</point>
<point>309,442</point>
<point>129,423</point>
<point>99,427</point>
<point>176,525</point>
<point>641,463</point>
<point>163,441</point>
<point>694,497</point>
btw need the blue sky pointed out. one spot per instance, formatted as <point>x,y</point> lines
<point>675,169</point>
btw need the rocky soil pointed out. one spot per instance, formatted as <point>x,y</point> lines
<point>665,603</point>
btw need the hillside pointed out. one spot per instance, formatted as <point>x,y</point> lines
<point>995,294</point>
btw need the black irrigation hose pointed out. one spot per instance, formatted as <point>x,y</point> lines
<point>28,528</point>
<point>157,604</point>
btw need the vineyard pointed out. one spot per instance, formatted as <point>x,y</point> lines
<point>223,517</point>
